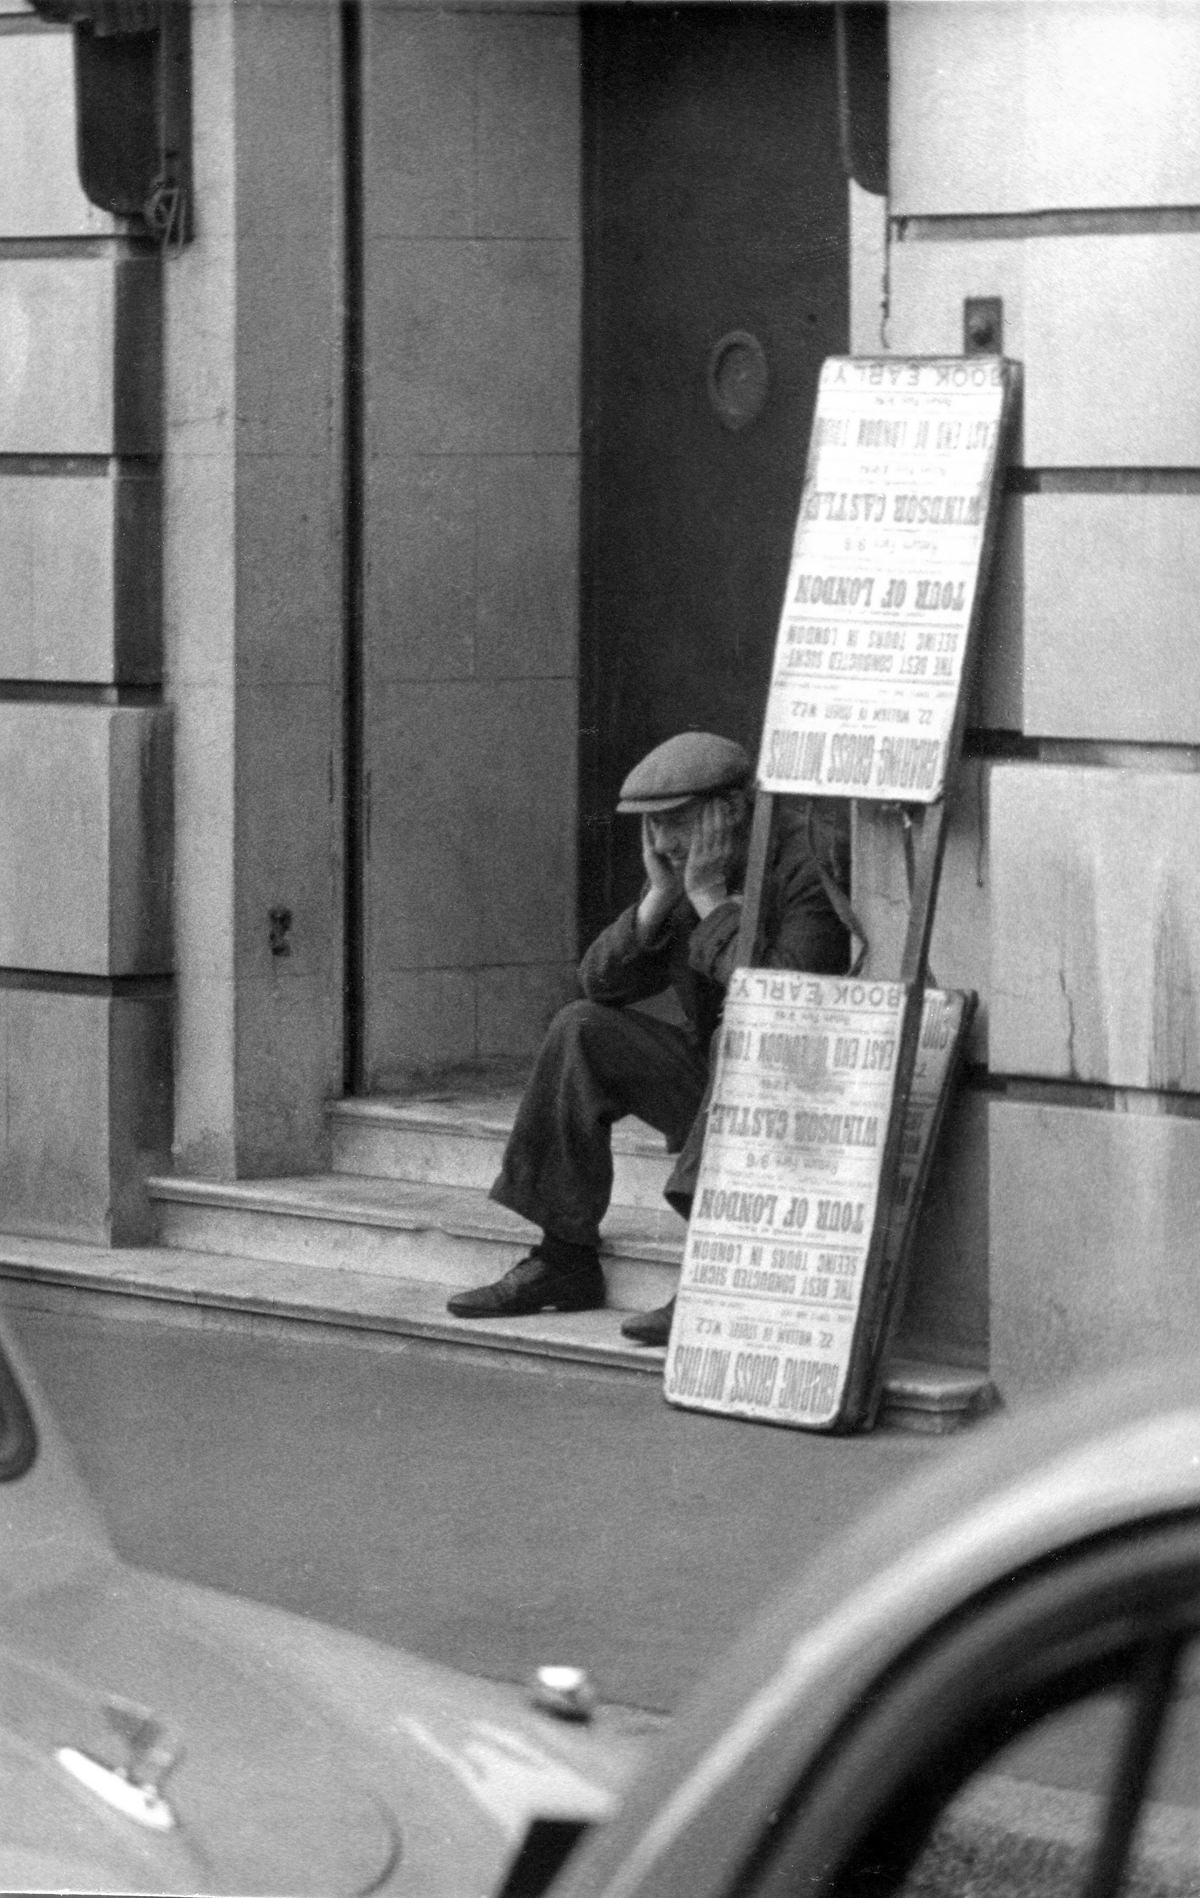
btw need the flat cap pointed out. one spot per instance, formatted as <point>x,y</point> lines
<point>692,764</point>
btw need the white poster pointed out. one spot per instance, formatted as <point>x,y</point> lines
<point>884,572</point>
<point>775,1263</point>
<point>785,1204</point>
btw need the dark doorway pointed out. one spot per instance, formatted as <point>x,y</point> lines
<point>716,281</point>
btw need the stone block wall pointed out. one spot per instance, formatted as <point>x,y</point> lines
<point>1049,156</point>
<point>85,741</point>
<point>473,285</point>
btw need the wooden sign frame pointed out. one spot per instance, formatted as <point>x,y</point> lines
<point>944,1030</point>
<point>884,1273</point>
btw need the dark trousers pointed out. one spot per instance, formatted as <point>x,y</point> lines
<point>596,1064</point>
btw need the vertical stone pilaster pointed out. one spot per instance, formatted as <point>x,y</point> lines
<point>253,591</point>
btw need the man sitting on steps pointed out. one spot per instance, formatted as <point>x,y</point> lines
<point>602,1058</point>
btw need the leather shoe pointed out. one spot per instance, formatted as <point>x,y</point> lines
<point>533,1284</point>
<point>650,1327</point>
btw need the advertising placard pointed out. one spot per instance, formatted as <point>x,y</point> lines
<point>885,569</point>
<point>780,1241</point>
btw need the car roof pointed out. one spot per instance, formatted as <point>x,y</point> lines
<point>1117,1454</point>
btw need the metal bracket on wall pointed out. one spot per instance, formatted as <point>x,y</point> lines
<point>133,108</point>
<point>983,326</point>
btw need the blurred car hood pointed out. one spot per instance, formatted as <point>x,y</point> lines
<point>309,1761</point>
<point>299,1758</point>
<point>263,1795</point>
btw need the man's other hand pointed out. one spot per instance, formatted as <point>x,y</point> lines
<point>711,857</point>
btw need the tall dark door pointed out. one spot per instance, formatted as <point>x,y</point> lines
<point>716,281</point>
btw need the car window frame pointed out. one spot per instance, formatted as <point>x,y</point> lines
<point>1037,1622</point>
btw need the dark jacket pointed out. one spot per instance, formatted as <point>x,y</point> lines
<point>695,957</point>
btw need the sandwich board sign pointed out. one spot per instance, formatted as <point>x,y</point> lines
<point>884,576</point>
<point>828,1091</point>
<point>774,1302</point>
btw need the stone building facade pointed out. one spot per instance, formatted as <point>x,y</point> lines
<point>333,579</point>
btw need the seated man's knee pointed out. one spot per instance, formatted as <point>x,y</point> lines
<point>579,1022</point>
<point>593,1038</point>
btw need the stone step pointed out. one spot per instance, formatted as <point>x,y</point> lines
<point>404,1219</point>
<point>410,1245</point>
<point>929,1398</point>
<point>457,1139</point>
<point>451,1236</point>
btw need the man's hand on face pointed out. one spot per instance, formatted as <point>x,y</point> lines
<point>693,851</point>
<point>662,875</point>
<point>711,857</point>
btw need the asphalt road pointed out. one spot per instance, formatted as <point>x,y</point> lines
<point>488,1514</point>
